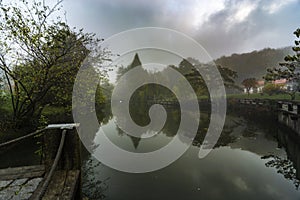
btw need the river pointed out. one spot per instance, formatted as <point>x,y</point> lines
<point>255,158</point>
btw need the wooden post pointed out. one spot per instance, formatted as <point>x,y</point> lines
<point>71,154</point>
<point>71,158</point>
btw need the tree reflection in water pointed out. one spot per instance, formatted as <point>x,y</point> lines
<point>284,167</point>
<point>244,131</point>
<point>93,188</point>
<point>288,166</point>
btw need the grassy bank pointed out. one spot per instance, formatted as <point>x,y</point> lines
<point>262,96</point>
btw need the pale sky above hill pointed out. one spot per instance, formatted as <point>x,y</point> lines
<point>222,27</point>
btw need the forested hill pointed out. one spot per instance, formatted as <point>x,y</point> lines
<point>253,64</point>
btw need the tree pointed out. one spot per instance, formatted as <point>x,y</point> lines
<point>271,89</point>
<point>249,83</point>
<point>228,76</point>
<point>2,96</point>
<point>187,68</point>
<point>135,63</point>
<point>290,69</point>
<point>140,94</point>
<point>40,56</point>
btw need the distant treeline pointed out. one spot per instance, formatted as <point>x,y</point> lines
<point>254,63</point>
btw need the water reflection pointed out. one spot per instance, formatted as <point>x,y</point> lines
<point>93,187</point>
<point>253,159</point>
<point>289,167</point>
<point>284,167</point>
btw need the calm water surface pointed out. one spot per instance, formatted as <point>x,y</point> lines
<point>253,159</point>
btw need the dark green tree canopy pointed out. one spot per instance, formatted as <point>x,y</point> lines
<point>40,56</point>
<point>187,68</point>
<point>249,83</point>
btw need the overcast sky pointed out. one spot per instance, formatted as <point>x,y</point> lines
<point>222,27</point>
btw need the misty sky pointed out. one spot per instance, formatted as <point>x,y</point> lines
<point>222,27</point>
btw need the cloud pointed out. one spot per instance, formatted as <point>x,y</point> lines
<point>242,11</point>
<point>275,5</point>
<point>204,9</point>
<point>221,26</point>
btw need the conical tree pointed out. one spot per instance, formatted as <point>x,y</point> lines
<point>135,62</point>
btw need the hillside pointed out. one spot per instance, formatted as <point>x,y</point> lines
<point>253,64</point>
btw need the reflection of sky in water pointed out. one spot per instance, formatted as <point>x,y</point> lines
<point>234,171</point>
<point>130,143</point>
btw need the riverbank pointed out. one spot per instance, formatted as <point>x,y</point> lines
<point>262,96</point>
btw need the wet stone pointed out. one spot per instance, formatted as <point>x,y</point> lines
<point>4,184</point>
<point>9,192</point>
<point>19,189</point>
<point>32,184</point>
<point>22,195</point>
<point>19,182</point>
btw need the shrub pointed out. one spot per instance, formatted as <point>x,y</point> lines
<point>271,89</point>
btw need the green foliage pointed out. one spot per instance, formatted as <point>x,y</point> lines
<point>249,83</point>
<point>149,91</point>
<point>281,96</point>
<point>229,76</point>
<point>40,56</point>
<point>106,89</point>
<point>193,76</point>
<point>135,63</point>
<point>288,69</point>
<point>272,89</point>
<point>187,68</point>
<point>43,121</point>
<point>99,96</point>
<point>87,91</point>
